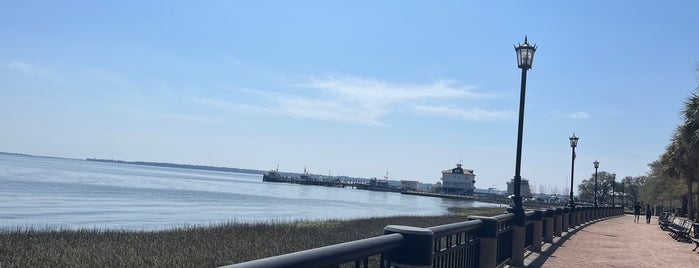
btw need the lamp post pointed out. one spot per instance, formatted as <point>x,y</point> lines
<point>623,195</point>
<point>573,144</point>
<point>613,184</point>
<point>596,163</point>
<point>525,57</point>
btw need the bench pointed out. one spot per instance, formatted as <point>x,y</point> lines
<point>695,239</point>
<point>681,229</point>
<point>666,220</point>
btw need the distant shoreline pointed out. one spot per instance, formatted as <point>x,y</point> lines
<point>187,166</point>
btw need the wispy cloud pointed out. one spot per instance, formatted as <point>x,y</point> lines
<point>33,70</point>
<point>466,114</point>
<point>235,61</point>
<point>580,115</point>
<point>187,118</point>
<point>361,100</point>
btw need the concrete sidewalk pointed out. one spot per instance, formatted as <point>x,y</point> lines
<point>615,242</point>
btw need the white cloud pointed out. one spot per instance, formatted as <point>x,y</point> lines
<point>580,115</point>
<point>360,100</point>
<point>33,70</point>
<point>235,61</point>
<point>466,114</point>
<point>361,89</point>
<point>187,118</point>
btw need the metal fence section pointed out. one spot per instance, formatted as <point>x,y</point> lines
<point>504,235</point>
<point>529,225</point>
<point>456,245</point>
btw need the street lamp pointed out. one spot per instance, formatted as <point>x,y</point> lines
<point>573,144</point>
<point>525,57</point>
<point>596,163</point>
<point>613,184</point>
<point>623,194</point>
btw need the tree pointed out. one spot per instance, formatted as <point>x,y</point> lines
<point>586,188</point>
<point>660,188</point>
<point>679,164</point>
<point>681,157</point>
<point>689,134</point>
<point>632,187</point>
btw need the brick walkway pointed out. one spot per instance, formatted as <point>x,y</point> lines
<point>616,242</point>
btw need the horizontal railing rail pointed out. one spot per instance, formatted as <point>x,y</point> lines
<point>355,251</point>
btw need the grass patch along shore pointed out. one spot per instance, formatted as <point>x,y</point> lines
<point>209,246</point>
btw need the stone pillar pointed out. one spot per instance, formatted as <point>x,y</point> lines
<point>518,237</point>
<point>578,218</point>
<point>549,216</point>
<point>488,241</point>
<point>537,231</point>
<point>557,227</point>
<point>565,217</point>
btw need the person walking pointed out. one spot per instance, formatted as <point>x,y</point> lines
<point>648,213</point>
<point>636,212</point>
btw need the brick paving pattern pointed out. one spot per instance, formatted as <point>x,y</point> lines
<point>615,242</point>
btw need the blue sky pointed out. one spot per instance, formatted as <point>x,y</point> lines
<point>356,88</point>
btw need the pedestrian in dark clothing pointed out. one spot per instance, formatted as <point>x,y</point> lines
<point>648,212</point>
<point>636,212</point>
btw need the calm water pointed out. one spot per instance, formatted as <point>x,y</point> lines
<point>68,193</point>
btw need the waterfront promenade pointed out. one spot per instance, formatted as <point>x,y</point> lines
<point>615,242</point>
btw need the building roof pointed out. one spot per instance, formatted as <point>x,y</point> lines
<point>458,170</point>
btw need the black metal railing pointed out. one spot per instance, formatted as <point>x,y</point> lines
<point>456,245</point>
<point>504,238</point>
<point>452,245</point>
<point>529,225</point>
<point>355,253</point>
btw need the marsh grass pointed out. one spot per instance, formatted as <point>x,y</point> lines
<point>195,246</point>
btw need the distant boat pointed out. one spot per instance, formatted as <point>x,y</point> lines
<point>305,179</point>
<point>378,185</point>
<point>275,176</point>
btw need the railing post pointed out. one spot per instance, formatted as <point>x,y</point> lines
<point>488,236</point>
<point>519,234</point>
<point>417,249</point>
<point>578,217</point>
<point>565,217</point>
<point>557,225</point>
<point>537,230</point>
<point>595,213</point>
<point>549,215</point>
<point>603,212</point>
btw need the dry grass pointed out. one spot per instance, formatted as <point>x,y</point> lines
<point>210,246</point>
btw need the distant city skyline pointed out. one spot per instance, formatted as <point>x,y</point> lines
<point>358,89</point>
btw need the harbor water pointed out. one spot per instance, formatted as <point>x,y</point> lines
<point>43,192</point>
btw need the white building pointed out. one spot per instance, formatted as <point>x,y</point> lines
<point>458,180</point>
<point>409,185</point>
<point>524,190</point>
